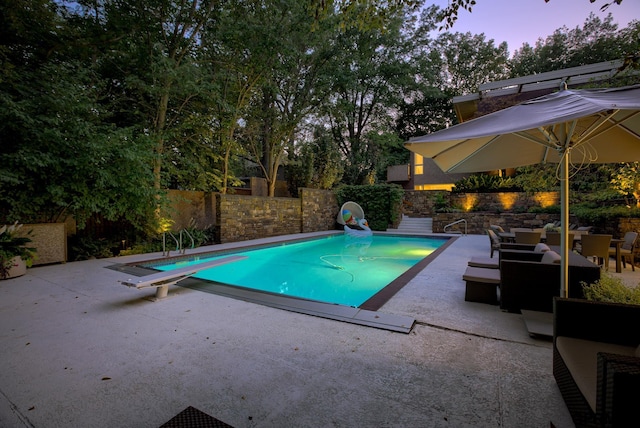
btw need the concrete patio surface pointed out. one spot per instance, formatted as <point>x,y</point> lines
<point>78,349</point>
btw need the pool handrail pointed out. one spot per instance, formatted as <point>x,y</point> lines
<point>444,229</point>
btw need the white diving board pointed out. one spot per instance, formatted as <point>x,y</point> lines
<point>162,280</point>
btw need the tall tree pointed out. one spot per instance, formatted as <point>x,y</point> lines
<point>152,62</point>
<point>61,154</point>
<point>596,41</point>
<point>426,104</point>
<point>468,60</point>
<point>292,84</point>
<point>367,76</point>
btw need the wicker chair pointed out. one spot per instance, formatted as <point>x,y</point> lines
<point>599,333</point>
<point>496,228</point>
<point>553,238</point>
<point>596,246</point>
<point>494,240</point>
<point>627,249</point>
<point>527,237</point>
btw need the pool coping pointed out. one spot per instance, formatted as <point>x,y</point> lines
<point>366,315</point>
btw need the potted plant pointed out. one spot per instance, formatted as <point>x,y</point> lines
<point>15,256</point>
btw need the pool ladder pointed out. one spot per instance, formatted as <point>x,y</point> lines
<point>179,247</point>
<point>444,230</point>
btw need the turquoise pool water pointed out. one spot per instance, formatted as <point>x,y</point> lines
<point>336,269</point>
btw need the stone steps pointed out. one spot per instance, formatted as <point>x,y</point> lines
<point>414,225</point>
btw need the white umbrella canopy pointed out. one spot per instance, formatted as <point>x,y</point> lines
<point>566,127</point>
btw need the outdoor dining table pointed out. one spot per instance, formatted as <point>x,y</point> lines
<point>507,236</point>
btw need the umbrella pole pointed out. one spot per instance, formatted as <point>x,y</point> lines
<point>564,224</point>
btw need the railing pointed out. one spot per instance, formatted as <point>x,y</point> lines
<point>454,223</point>
<point>193,243</point>
<point>179,247</point>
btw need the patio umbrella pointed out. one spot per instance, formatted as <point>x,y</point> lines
<point>567,127</point>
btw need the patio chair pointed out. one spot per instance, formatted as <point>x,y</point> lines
<point>627,249</point>
<point>527,237</point>
<point>553,238</point>
<point>496,228</point>
<point>494,240</point>
<point>596,246</point>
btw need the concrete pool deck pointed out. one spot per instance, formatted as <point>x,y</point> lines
<point>78,349</point>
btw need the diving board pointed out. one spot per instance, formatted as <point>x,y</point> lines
<point>162,280</point>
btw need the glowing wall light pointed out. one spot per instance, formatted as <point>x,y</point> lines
<point>544,199</point>
<point>507,200</point>
<point>469,201</point>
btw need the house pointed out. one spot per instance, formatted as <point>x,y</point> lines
<point>424,174</point>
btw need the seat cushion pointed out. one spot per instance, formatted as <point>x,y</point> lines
<point>484,262</point>
<point>541,247</point>
<point>550,257</point>
<point>476,274</point>
<point>581,358</point>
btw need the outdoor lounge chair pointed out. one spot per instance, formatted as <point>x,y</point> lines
<point>531,284</point>
<point>523,251</point>
<point>627,249</point>
<point>596,361</point>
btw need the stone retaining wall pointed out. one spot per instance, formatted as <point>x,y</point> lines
<point>243,217</point>
<point>418,203</point>
<point>478,222</point>
<point>240,217</point>
<point>188,208</point>
<point>250,217</point>
<point>319,210</point>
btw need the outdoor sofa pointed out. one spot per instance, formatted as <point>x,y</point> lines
<point>596,361</point>
<point>526,282</point>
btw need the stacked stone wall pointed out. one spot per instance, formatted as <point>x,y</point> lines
<point>478,222</point>
<point>319,209</point>
<point>251,217</point>
<point>419,203</point>
<point>191,208</point>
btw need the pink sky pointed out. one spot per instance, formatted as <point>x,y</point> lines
<point>520,21</point>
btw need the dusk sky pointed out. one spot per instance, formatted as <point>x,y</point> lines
<point>520,21</point>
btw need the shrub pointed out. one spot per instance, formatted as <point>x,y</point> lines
<point>551,209</point>
<point>89,247</point>
<point>611,289</point>
<point>152,246</point>
<point>483,183</point>
<point>12,246</point>
<point>381,202</point>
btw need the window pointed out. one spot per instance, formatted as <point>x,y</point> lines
<point>443,186</point>
<point>418,168</point>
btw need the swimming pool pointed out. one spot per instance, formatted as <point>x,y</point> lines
<point>342,270</point>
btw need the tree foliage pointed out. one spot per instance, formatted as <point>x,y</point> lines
<point>106,103</point>
<point>58,142</point>
<point>596,41</point>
